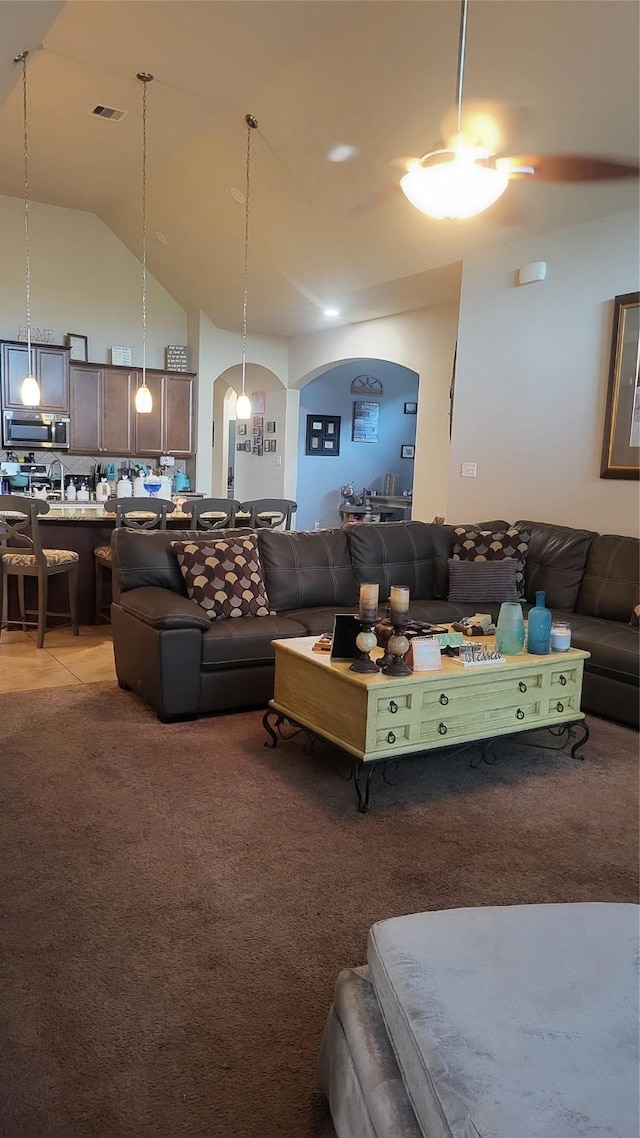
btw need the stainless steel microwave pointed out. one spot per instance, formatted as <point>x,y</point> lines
<point>37,430</point>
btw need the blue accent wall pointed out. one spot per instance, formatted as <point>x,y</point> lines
<point>362,464</point>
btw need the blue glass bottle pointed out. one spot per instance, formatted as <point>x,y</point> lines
<point>539,637</point>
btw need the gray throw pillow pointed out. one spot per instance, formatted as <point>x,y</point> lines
<point>482,582</point>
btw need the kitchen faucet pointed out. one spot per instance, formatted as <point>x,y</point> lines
<point>57,462</point>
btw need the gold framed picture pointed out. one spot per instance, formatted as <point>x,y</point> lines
<point>621,443</point>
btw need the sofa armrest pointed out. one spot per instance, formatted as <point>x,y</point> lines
<point>162,608</point>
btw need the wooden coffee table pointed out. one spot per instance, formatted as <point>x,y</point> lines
<point>376,718</point>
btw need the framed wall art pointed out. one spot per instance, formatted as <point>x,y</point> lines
<point>366,417</point>
<point>78,347</point>
<point>621,442</point>
<point>407,451</point>
<point>411,408</point>
<point>323,435</point>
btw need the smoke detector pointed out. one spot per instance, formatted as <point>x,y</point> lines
<point>110,113</point>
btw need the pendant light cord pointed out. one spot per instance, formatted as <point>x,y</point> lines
<point>22,58</point>
<point>462,43</point>
<point>144,78</point>
<point>251,125</point>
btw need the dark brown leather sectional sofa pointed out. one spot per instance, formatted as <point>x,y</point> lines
<point>183,665</point>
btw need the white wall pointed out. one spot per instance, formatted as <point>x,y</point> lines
<point>531,380</point>
<point>84,280</point>
<point>423,341</point>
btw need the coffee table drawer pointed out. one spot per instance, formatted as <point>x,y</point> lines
<point>455,724</point>
<point>562,705</point>
<point>386,738</point>
<point>491,690</point>
<point>388,708</point>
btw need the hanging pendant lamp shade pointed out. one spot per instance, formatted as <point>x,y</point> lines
<point>30,389</point>
<point>243,404</point>
<point>144,399</point>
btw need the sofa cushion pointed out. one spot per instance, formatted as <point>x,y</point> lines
<point>146,558</point>
<point>306,570</point>
<point>318,620</point>
<point>481,582</point>
<point>610,583</point>
<point>493,545</point>
<point>402,553</point>
<point>514,1020</point>
<point>224,577</point>
<point>245,642</point>
<point>613,646</point>
<point>556,561</point>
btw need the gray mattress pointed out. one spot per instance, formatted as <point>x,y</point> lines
<point>508,1022</point>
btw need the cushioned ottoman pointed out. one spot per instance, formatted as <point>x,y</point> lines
<point>489,1023</point>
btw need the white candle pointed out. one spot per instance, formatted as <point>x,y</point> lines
<point>369,601</point>
<point>399,601</point>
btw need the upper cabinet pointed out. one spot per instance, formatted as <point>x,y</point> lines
<point>51,368</point>
<point>104,419</point>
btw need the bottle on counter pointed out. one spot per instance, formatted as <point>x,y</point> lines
<point>124,488</point>
<point>83,494</point>
<point>539,634</point>
<point>102,490</point>
<point>70,494</point>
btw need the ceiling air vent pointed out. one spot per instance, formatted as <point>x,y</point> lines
<point>107,113</point>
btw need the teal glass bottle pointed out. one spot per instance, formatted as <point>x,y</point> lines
<point>510,629</point>
<point>539,636</point>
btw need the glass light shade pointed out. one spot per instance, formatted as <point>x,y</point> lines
<point>144,400</point>
<point>454,187</point>
<point>30,391</point>
<point>243,407</point>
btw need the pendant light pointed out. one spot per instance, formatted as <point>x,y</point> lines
<point>456,181</point>
<point>144,400</point>
<point>243,403</point>
<point>30,389</point>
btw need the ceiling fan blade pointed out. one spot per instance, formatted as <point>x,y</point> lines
<point>566,167</point>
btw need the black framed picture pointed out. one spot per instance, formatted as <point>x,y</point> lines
<point>411,408</point>
<point>366,418</point>
<point>407,450</point>
<point>78,347</point>
<point>323,435</point>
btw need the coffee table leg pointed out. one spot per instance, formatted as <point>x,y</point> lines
<point>582,726</point>
<point>278,720</point>
<point>363,799</point>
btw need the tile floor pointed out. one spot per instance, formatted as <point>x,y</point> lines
<point>65,659</point>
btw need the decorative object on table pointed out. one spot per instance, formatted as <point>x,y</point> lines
<point>30,388</point>
<point>474,655</point>
<point>78,347</point>
<point>398,643</point>
<point>510,629</point>
<point>473,544</point>
<point>407,451</point>
<point>245,405</point>
<point>270,428</point>
<point>120,355</point>
<point>390,485</point>
<point>424,654</point>
<point>411,408</point>
<point>176,357</point>
<point>152,485</point>
<point>482,582</point>
<point>621,443</point>
<point>366,640</point>
<point>539,627</point>
<point>480,624</point>
<point>366,385</point>
<point>560,636</point>
<point>143,398</point>
<point>323,435</point>
<point>366,418</point>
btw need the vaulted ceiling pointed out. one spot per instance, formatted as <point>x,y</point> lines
<point>373,75</point>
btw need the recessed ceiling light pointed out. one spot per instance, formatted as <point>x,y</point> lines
<point>237,195</point>
<point>342,152</point>
<point>161,237</point>
<point>332,312</point>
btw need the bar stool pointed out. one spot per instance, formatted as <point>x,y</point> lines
<point>212,513</point>
<point>135,513</point>
<point>17,515</point>
<point>269,513</point>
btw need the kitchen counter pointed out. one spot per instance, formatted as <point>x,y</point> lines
<point>77,512</point>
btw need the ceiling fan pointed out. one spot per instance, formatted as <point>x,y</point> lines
<point>465,174</point>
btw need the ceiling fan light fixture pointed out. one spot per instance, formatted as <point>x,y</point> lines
<point>144,400</point>
<point>30,391</point>
<point>243,407</point>
<point>453,185</point>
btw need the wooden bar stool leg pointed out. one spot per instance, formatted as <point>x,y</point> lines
<point>23,613</point>
<point>73,599</point>
<point>98,580</point>
<point>43,596</point>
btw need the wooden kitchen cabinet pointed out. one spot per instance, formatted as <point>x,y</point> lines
<point>85,409</point>
<point>180,414</point>
<point>118,386</point>
<point>51,368</point>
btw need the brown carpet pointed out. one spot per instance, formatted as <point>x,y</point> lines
<point>177,900</point>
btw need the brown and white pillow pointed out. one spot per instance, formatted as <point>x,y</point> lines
<point>635,617</point>
<point>493,545</point>
<point>224,577</point>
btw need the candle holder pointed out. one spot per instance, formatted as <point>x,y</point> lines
<point>397,645</point>
<point>366,640</point>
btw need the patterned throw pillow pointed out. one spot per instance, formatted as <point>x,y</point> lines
<point>635,617</point>
<point>482,582</point>
<point>493,545</point>
<point>224,577</point>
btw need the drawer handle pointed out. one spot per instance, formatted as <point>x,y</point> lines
<point>519,713</point>
<point>444,699</point>
<point>393,707</point>
<point>522,686</point>
<point>563,680</point>
<point>442,728</point>
<point>559,706</point>
<point>391,737</point>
